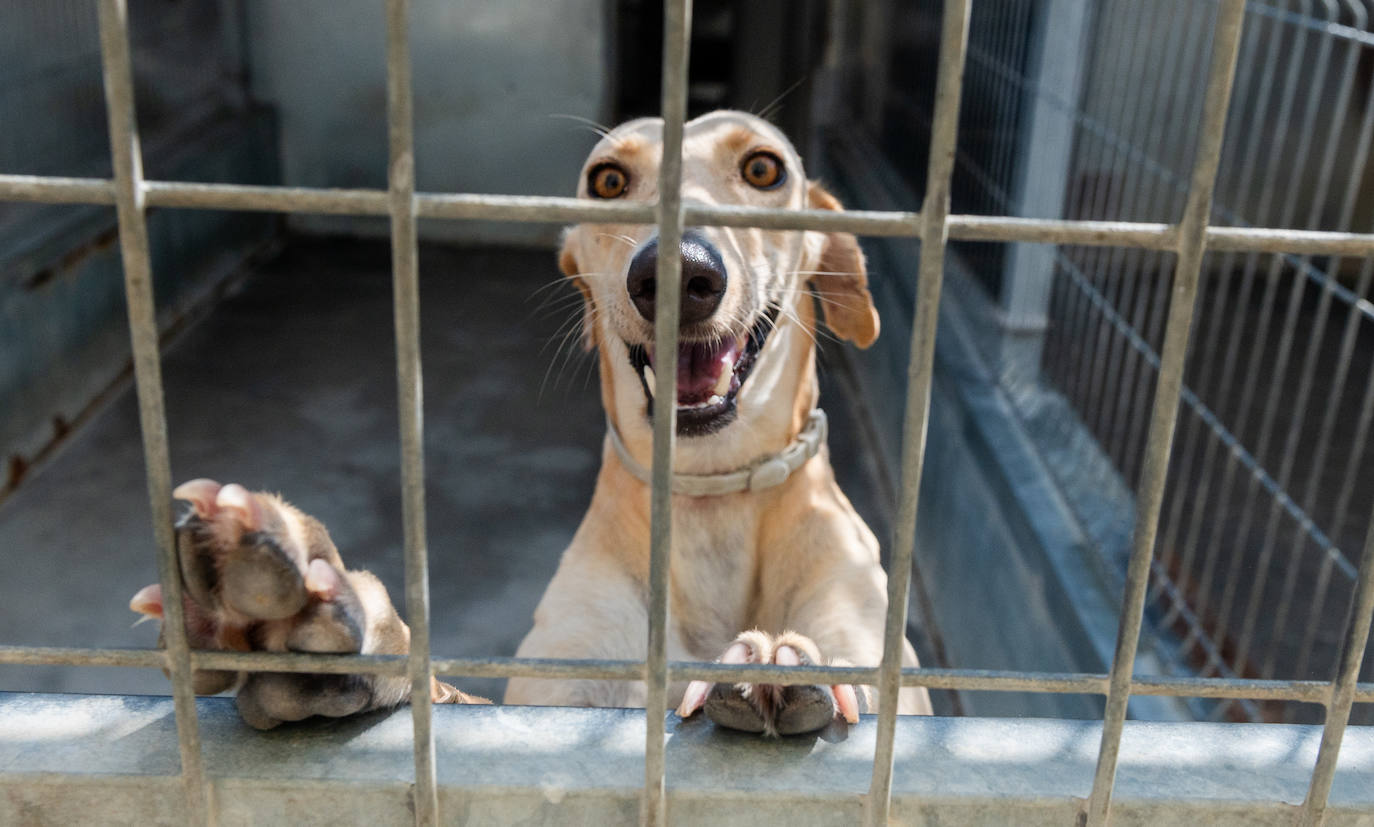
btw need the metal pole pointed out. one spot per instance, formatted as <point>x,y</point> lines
<point>1343,688</point>
<point>406,287</point>
<point>920,371</point>
<point>117,71</point>
<point>1192,244</point>
<point>677,27</point>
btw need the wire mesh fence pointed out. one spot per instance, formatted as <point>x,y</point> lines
<point>1269,488</point>
<point>1185,236</point>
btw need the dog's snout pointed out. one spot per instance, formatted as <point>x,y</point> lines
<point>703,278</point>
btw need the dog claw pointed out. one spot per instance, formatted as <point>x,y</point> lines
<point>847,702</point>
<point>698,691</point>
<point>235,498</point>
<point>322,580</point>
<point>147,601</point>
<point>201,494</point>
<point>694,698</point>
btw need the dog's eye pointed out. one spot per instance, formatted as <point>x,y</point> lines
<point>763,170</point>
<point>607,181</point>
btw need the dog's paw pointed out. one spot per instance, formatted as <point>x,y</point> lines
<point>260,575</point>
<point>769,708</point>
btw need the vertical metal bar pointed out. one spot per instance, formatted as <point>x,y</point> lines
<point>1251,382</point>
<point>1347,488</point>
<point>406,288</point>
<point>1258,92</point>
<point>677,26</point>
<point>117,72</point>
<point>920,369</point>
<point>1343,688</point>
<point>1191,246</point>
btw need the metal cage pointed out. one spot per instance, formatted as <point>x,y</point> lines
<point>1189,239</point>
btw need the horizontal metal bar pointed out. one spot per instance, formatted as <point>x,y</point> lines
<point>300,662</point>
<point>999,680</point>
<point>556,210</point>
<point>974,680</point>
<point>1253,689</point>
<point>64,656</point>
<point>1157,236</point>
<point>1307,242</point>
<point>50,190</point>
<point>1060,231</point>
<point>552,668</point>
<point>859,222</point>
<point>266,199</point>
<point>536,208</point>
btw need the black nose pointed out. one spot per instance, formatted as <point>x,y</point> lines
<point>703,278</point>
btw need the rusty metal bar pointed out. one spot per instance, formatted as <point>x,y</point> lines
<point>558,210</point>
<point>1154,474</point>
<point>406,286</point>
<point>117,74</point>
<point>973,680</point>
<point>677,27</point>
<point>920,374</point>
<point>1343,689</point>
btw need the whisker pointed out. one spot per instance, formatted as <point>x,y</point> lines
<point>766,114</point>
<point>629,242</point>
<point>600,129</point>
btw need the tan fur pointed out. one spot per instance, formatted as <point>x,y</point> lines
<point>794,559</point>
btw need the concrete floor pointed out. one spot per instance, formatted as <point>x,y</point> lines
<point>289,384</point>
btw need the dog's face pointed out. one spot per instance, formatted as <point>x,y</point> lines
<point>742,288</point>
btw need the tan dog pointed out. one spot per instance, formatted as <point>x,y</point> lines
<point>770,562</point>
<point>781,574</point>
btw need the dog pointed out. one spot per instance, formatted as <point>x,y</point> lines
<point>770,562</point>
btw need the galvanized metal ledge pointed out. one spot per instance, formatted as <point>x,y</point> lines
<point>65,758</point>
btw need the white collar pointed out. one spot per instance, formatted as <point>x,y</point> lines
<point>764,472</point>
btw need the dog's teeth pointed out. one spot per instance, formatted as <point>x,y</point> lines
<point>649,379</point>
<point>723,383</point>
<point>715,399</point>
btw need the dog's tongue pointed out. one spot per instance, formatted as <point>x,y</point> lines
<point>703,370</point>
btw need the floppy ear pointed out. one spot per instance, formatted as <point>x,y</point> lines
<point>567,262</point>
<point>841,282</point>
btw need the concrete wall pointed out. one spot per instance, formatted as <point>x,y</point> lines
<point>499,87</point>
<point>63,334</point>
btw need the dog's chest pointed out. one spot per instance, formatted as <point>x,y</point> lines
<point>714,577</point>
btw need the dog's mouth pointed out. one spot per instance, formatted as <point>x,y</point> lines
<point>709,376</point>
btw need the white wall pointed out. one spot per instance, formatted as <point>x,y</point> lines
<point>490,79</point>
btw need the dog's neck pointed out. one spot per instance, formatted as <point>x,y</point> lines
<point>763,472</point>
